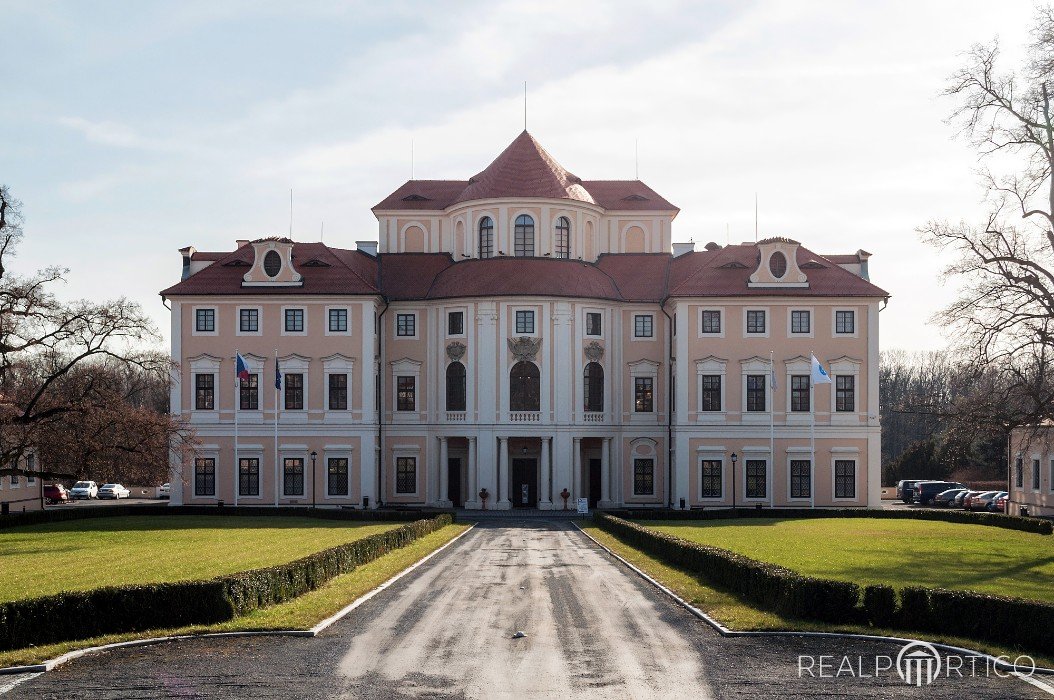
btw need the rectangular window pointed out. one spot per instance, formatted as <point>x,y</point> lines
<point>643,394</point>
<point>756,475</point>
<point>204,392</point>
<point>845,393</point>
<point>711,392</point>
<point>1035,475</point>
<point>1019,473</point>
<point>406,325</point>
<point>710,479</point>
<point>249,393</point>
<point>845,322</point>
<point>756,393</point>
<point>294,392</point>
<point>249,476</point>
<point>756,321</point>
<point>844,478</point>
<point>338,320</point>
<point>205,476</point>
<point>406,394</point>
<point>800,322</point>
<point>294,320</point>
<point>801,478</point>
<point>31,466</point>
<point>293,476</point>
<point>249,320</point>
<point>1050,483</point>
<point>644,477</point>
<point>338,392</point>
<point>711,321</point>
<point>406,474</point>
<point>455,323</point>
<point>525,322</point>
<point>593,323</point>
<point>337,481</point>
<point>205,320</point>
<point>643,326</point>
<point>800,393</point>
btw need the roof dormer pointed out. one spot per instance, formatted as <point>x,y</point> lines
<point>778,265</point>
<point>272,265</point>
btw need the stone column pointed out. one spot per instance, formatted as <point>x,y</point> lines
<point>444,474</point>
<point>503,474</point>
<point>576,465</point>
<point>544,500</point>
<point>473,488</point>
<point>605,473</point>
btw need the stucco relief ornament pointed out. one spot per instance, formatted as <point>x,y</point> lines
<point>524,349</point>
<point>594,351</point>
<point>455,351</point>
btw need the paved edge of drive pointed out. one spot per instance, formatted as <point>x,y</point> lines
<point>726,632</point>
<point>312,632</point>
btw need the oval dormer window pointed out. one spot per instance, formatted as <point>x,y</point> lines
<point>272,263</point>
<point>778,265</point>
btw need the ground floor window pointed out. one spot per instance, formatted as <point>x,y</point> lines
<point>711,481</point>
<point>844,478</point>
<point>756,474</point>
<point>1035,475</point>
<point>644,477</point>
<point>337,484</point>
<point>801,478</point>
<point>205,476</point>
<point>293,476</point>
<point>249,476</point>
<point>406,475</point>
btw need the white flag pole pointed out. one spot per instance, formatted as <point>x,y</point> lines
<point>237,401</point>
<point>772,429</point>
<point>812,436</point>
<point>277,398</point>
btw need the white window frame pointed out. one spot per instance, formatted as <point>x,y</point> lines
<point>337,307</point>
<point>406,451</point>
<point>711,365</point>
<point>295,453</point>
<point>761,366</point>
<point>1037,475</point>
<point>294,307</point>
<point>812,322</point>
<point>795,454</point>
<point>206,452</point>
<point>834,322</point>
<point>603,323</point>
<point>205,364</point>
<point>405,367</point>
<point>760,454</point>
<point>534,321</point>
<point>633,321</point>
<point>721,315</point>
<point>238,321</point>
<point>215,320</point>
<point>255,452</point>
<point>713,454</point>
<point>417,326</point>
<point>794,367</point>
<point>337,452</point>
<point>296,364</point>
<point>338,364</point>
<point>644,368</point>
<point>845,454</point>
<point>768,322</point>
<point>446,321</point>
<point>844,366</point>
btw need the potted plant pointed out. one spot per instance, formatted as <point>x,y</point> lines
<point>483,496</point>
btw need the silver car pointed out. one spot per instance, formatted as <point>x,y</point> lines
<point>115,491</point>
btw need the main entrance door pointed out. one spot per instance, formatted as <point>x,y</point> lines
<point>524,483</point>
<point>454,482</point>
<point>594,482</point>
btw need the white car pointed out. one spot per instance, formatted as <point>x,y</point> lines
<point>115,491</point>
<point>84,489</point>
<point>165,491</point>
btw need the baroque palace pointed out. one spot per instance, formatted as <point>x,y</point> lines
<point>522,337</point>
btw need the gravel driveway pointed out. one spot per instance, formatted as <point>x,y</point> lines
<point>592,629</point>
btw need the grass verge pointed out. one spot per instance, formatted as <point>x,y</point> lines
<point>736,615</point>
<point>302,613</point>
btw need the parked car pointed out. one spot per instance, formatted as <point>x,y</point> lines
<point>115,491</point>
<point>84,490</point>
<point>946,498</point>
<point>992,507</point>
<point>55,493</point>
<point>968,502</point>
<point>960,500</point>
<point>981,500</point>
<point>926,491</point>
<point>998,504</point>
<point>165,491</point>
<point>906,489</point>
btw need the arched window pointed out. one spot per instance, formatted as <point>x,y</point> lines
<point>563,237</point>
<point>455,387</point>
<point>524,387</point>
<point>593,387</point>
<point>486,237</point>
<point>524,241</point>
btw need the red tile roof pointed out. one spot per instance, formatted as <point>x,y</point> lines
<point>505,276</point>
<point>638,276</point>
<point>524,169</point>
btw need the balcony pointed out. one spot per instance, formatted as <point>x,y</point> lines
<point>525,417</point>
<point>455,416</point>
<point>593,417</point>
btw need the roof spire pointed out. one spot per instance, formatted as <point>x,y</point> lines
<point>525,105</point>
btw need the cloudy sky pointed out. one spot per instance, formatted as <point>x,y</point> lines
<point>131,129</point>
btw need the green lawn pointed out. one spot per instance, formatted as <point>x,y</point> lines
<point>894,552</point>
<point>83,554</point>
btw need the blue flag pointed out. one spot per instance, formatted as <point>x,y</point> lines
<point>277,375</point>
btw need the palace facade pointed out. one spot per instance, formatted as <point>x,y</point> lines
<point>521,336</point>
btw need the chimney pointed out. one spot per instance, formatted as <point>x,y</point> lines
<point>241,242</point>
<point>863,255</point>
<point>188,254</point>
<point>368,247</point>
<point>682,248</point>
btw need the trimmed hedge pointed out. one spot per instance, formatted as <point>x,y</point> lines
<point>1011,621</point>
<point>768,586</point>
<point>112,610</point>
<point>880,605</point>
<point>1037,526</point>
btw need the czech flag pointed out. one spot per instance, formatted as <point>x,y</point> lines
<point>242,368</point>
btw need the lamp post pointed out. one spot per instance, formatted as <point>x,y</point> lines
<point>314,456</point>
<point>734,458</point>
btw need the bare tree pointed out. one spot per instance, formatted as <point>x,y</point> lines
<point>1003,318</point>
<point>54,354</point>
